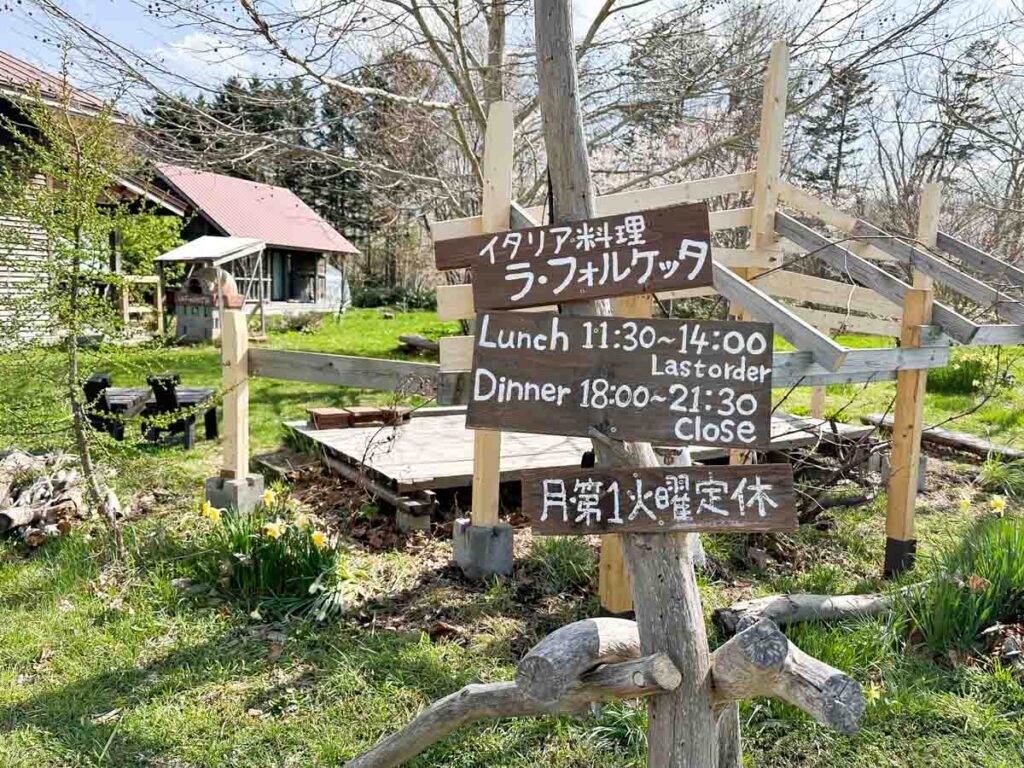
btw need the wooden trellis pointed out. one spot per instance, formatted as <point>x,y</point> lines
<point>863,295</point>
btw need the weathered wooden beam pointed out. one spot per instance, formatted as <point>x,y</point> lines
<point>797,331</point>
<point>867,274</point>
<point>819,290</point>
<point>979,259</point>
<point>343,370</point>
<point>847,323</point>
<point>943,273</point>
<point>961,441</point>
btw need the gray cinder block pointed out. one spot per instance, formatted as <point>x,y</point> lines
<point>483,550</point>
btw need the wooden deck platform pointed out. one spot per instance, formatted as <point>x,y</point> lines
<point>435,450</point>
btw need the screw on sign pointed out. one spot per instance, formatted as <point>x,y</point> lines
<point>661,499</point>
<point>635,253</point>
<point>670,381</point>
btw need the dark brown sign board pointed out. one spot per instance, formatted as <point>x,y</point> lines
<point>660,249</point>
<point>676,382</point>
<point>745,497</point>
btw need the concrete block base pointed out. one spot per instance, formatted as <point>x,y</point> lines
<point>407,523</point>
<point>243,494</point>
<point>880,463</point>
<point>483,550</point>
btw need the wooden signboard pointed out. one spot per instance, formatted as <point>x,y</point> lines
<point>721,499</point>
<point>677,382</point>
<point>655,250</point>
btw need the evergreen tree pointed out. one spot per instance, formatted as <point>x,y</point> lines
<point>834,132</point>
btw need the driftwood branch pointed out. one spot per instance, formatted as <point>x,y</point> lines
<point>792,609</point>
<point>631,679</point>
<point>761,661</point>
<point>556,662</point>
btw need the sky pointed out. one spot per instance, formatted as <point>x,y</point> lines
<point>126,22</point>
<point>186,50</point>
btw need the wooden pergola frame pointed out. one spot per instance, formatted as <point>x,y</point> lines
<point>865,298</point>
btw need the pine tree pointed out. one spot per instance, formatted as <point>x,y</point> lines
<point>834,132</point>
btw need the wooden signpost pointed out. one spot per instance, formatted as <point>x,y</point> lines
<point>675,382</point>
<point>640,252</point>
<point>661,500</point>
<point>539,372</point>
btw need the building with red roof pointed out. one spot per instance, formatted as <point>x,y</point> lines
<point>302,264</point>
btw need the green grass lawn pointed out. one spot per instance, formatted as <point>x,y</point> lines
<point>124,667</point>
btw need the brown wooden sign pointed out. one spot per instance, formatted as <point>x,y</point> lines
<point>676,382</point>
<point>752,497</point>
<point>655,250</point>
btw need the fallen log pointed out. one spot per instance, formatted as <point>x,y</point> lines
<point>631,679</point>
<point>792,609</point>
<point>962,441</point>
<point>415,341</point>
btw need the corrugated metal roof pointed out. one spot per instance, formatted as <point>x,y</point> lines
<point>213,249</point>
<point>243,208</point>
<point>19,78</point>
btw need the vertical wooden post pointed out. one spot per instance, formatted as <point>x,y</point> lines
<point>682,727</point>
<point>818,402</point>
<point>763,239</point>
<point>160,300</point>
<point>900,544</point>
<point>613,585</point>
<point>496,209</point>
<point>234,357</point>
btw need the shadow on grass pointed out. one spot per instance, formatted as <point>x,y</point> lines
<point>93,716</point>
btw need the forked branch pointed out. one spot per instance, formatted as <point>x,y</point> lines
<point>569,670</point>
<point>631,679</point>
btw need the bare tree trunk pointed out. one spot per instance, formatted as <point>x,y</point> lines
<point>682,728</point>
<point>494,75</point>
<point>99,498</point>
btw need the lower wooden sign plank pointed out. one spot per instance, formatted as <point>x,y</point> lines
<point>603,500</point>
<point>670,381</point>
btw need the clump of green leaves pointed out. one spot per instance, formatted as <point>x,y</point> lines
<point>976,583</point>
<point>564,563</point>
<point>278,560</point>
<point>1003,476</point>
<point>144,236</point>
<point>968,373</point>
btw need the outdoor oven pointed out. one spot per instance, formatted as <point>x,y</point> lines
<point>197,306</point>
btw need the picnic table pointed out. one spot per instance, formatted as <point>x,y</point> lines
<point>122,403</point>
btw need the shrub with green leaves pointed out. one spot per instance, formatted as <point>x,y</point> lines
<point>975,583</point>
<point>277,559</point>
<point>967,373</point>
<point>1002,476</point>
<point>565,563</point>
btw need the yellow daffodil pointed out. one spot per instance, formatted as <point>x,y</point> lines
<point>998,504</point>
<point>873,691</point>
<point>965,504</point>
<point>214,514</point>
<point>269,497</point>
<point>302,522</point>
<point>273,530</point>
<point>205,509</point>
<point>319,539</point>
